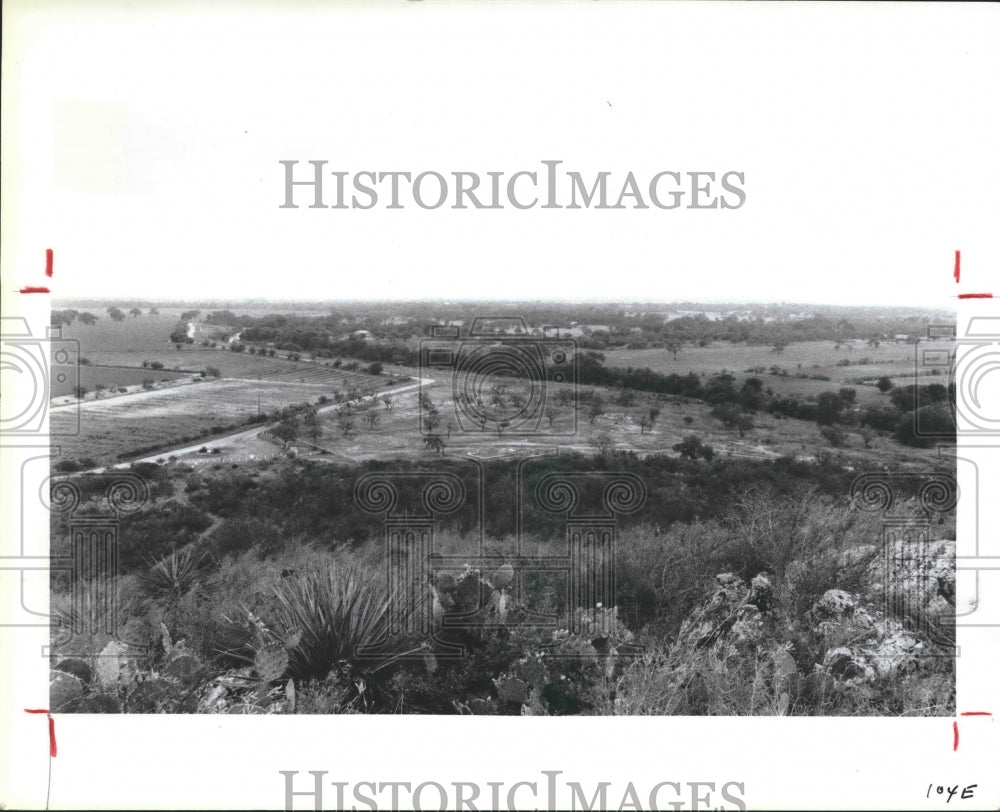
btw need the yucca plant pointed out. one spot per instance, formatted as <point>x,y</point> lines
<point>348,626</point>
<point>175,575</point>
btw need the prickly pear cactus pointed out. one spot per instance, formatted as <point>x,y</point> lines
<point>64,690</point>
<point>511,689</point>
<point>182,665</point>
<point>271,662</point>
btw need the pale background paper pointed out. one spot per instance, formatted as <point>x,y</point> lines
<point>141,142</point>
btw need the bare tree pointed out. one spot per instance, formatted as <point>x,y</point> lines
<point>345,421</point>
<point>314,426</point>
<point>596,409</point>
<point>432,421</point>
<point>744,423</point>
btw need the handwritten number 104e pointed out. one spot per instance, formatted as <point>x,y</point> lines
<point>967,792</point>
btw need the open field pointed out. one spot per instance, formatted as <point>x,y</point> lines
<point>230,365</point>
<point>180,405</point>
<point>131,340</point>
<point>181,410</point>
<point>254,367</point>
<point>396,433</point>
<point>897,361</point>
<point>116,426</point>
<point>65,377</point>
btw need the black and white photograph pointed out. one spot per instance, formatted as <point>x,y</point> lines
<point>617,508</point>
<point>374,373</point>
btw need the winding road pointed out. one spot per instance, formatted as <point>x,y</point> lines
<point>253,432</point>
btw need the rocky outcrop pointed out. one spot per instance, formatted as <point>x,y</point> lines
<point>862,642</point>
<point>845,641</point>
<point>735,612</point>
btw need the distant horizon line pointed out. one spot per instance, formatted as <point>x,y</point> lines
<point>217,301</point>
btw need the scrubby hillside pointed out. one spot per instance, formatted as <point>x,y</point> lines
<point>785,600</point>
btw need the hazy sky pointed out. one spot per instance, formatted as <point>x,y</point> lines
<point>142,144</point>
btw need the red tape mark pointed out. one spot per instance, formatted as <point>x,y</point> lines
<point>967,713</point>
<point>960,295</point>
<point>34,289</point>
<point>52,728</point>
<point>958,266</point>
<point>48,262</point>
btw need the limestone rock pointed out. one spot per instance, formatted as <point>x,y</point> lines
<point>845,665</point>
<point>113,665</point>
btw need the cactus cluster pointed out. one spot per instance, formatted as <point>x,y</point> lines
<point>564,671</point>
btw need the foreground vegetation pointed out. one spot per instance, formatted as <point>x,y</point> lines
<point>742,587</point>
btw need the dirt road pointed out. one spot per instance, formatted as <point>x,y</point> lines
<point>227,439</point>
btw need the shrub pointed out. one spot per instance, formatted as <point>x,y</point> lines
<point>692,448</point>
<point>238,535</point>
<point>884,418</point>
<point>833,435</point>
<point>158,530</point>
<point>926,426</point>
